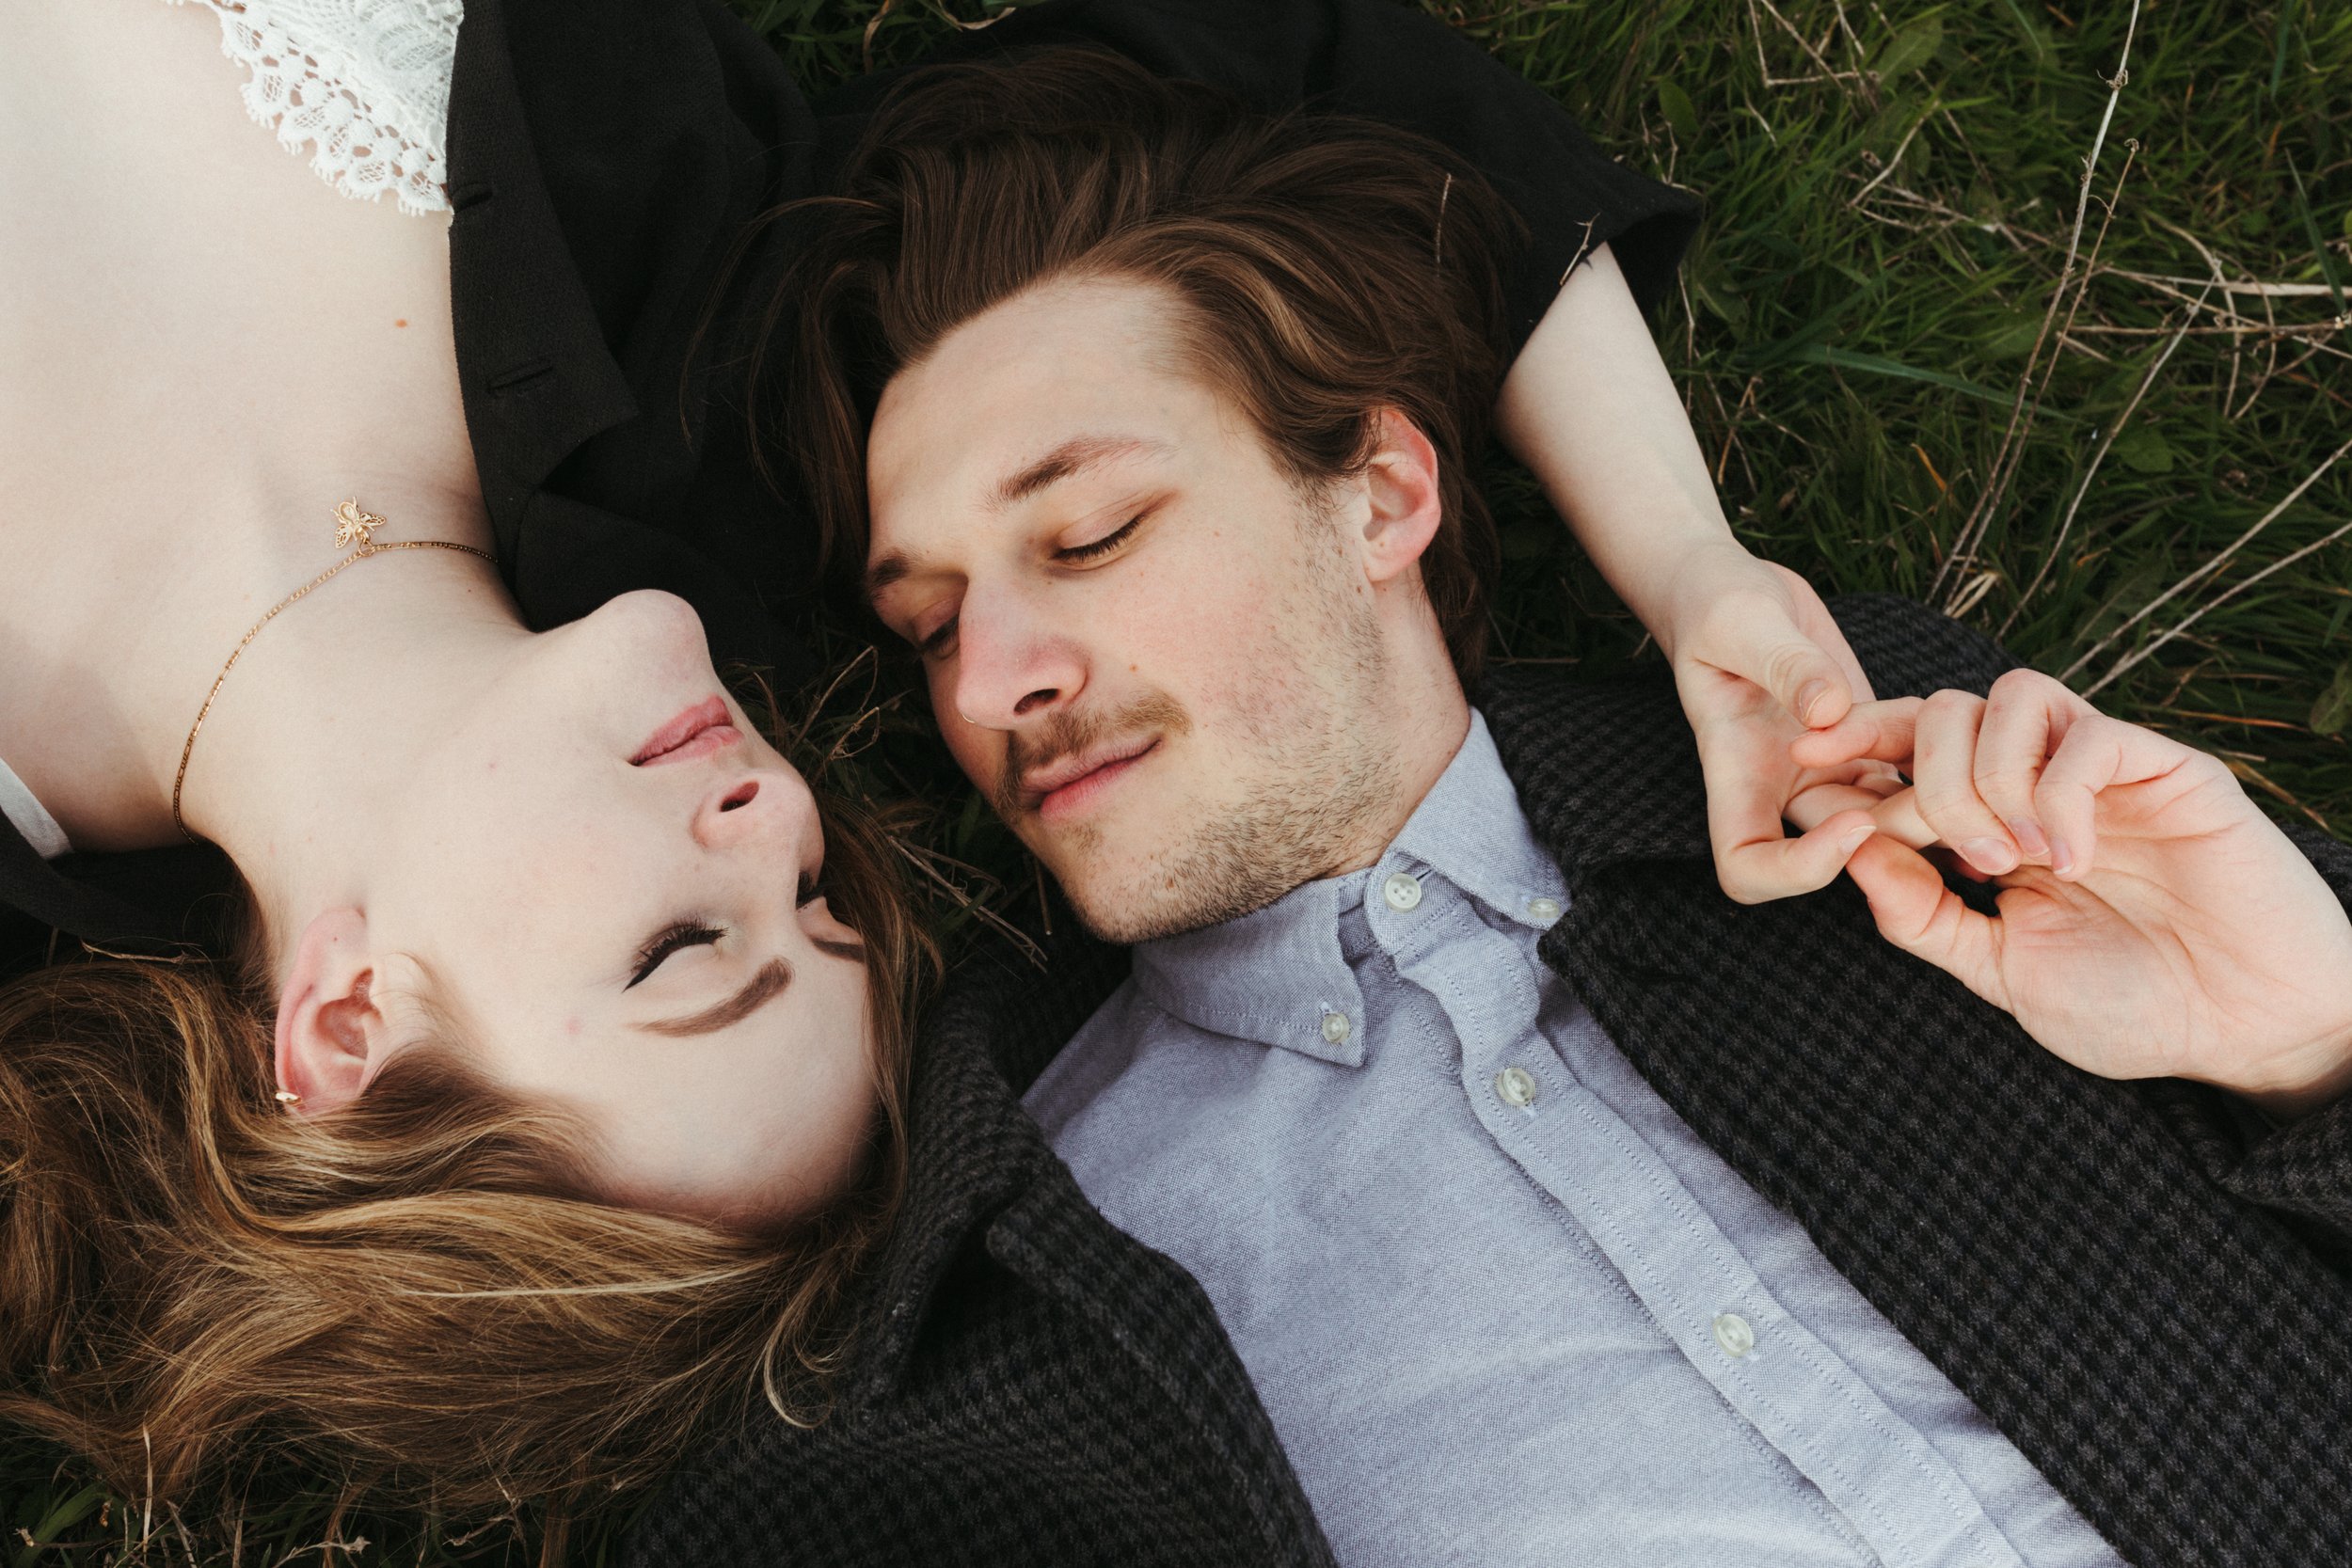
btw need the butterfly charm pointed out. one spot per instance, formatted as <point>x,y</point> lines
<point>353,525</point>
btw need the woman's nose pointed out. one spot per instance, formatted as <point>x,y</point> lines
<point>764,807</point>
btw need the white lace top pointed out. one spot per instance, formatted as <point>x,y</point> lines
<point>363,83</point>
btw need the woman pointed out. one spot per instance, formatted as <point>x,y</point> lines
<point>550,899</point>
<point>540,1064</point>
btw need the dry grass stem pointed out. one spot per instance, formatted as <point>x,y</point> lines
<point>2193,579</point>
<point>2190,620</point>
<point>2021,414</point>
<point>2099,455</point>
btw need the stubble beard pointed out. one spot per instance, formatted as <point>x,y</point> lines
<point>1318,778</point>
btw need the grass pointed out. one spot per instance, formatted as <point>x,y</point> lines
<point>1900,240</point>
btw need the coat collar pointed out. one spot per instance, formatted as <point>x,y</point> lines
<point>972,1152</point>
<point>1626,788</point>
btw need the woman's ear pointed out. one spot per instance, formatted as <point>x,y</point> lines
<point>1404,504</point>
<point>334,1014</point>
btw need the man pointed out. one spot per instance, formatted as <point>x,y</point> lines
<point>1558,1208</point>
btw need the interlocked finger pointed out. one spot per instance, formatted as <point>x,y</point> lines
<point>1943,767</point>
<point>2101,754</point>
<point>2026,719</point>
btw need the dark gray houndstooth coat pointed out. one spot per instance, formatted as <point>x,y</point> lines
<point>2141,1287</point>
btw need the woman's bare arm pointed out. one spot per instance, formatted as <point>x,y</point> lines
<point>1590,408</point>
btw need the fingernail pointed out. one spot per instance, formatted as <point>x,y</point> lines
<point>1809,694</point>
<point>1853,838</point>
<point>2028,836</point>
<point>1990,856</point>
<point>2062,857</point>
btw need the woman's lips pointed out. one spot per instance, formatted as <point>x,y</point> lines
<point>716,738</point>
<point>697,732</point>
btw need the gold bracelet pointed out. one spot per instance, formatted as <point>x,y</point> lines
<point>353,525</point>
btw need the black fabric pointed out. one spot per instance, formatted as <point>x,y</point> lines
<point>607,160</point>
<point>2131,1281</point>
<point>1389,62</point>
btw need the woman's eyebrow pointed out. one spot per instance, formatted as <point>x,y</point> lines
<point>764,987</point>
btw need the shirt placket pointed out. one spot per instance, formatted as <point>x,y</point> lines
<point>1701,1290</point>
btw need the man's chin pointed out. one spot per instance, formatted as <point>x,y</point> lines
<point>1132,903</point>
<point>1117,901</point>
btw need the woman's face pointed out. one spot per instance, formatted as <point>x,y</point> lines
<point>612,884</point>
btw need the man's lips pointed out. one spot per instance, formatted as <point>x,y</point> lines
<point>697,732</point>
<point>1064,787</point>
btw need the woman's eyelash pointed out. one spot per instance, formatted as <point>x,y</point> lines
<point>806,894</point>
<point>1104,546</point>
<point>686,933</point>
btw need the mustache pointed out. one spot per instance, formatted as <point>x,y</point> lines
<point>1074,733</point>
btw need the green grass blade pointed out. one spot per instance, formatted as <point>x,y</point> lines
<point>2035,39</point>
<point>2310,227</point>
<point>1877,364</point>
<point>59,1519</point>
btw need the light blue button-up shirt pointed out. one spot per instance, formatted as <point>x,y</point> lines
<point>1501,1305</point>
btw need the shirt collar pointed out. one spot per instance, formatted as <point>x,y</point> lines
<point>1469,829</point>
<point>1279,976</point>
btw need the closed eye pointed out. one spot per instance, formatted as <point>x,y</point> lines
<point>935,646</point>
<point>686,933</point>
<point>1101,546</point>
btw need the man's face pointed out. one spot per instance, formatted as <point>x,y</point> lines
<point>1155,655</point>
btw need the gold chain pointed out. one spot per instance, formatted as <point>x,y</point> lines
<point>353,524</point>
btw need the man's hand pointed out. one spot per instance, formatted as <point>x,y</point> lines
<point>2153,921</point>
<point>1756,659</point>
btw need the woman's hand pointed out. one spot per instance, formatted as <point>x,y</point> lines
<point>2153,921</point>
<point>1589,408</point>
<point>1757,658</point>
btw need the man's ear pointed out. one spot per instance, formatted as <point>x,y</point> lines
<point>335,1028</point>
<point>1404,504</point>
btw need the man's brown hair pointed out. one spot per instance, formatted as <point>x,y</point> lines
<point>1329,268</point>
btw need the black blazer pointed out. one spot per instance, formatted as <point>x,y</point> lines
<point>2144,1291</point>
<point>607,157</point>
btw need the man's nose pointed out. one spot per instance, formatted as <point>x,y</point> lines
<point>1011,666</point>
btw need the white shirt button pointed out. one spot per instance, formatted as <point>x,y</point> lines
<point>1335,1028</point>
<point>1543,908</point>
<point>1402,891</point>
<point>1733,1333</point>
<point>1517,1086</point>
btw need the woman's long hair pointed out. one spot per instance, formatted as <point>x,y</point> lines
<point>411,1295</point>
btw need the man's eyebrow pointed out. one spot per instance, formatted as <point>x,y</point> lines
<point>1072,458</point>
<point>763,987</point>
<point>883,573</point>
